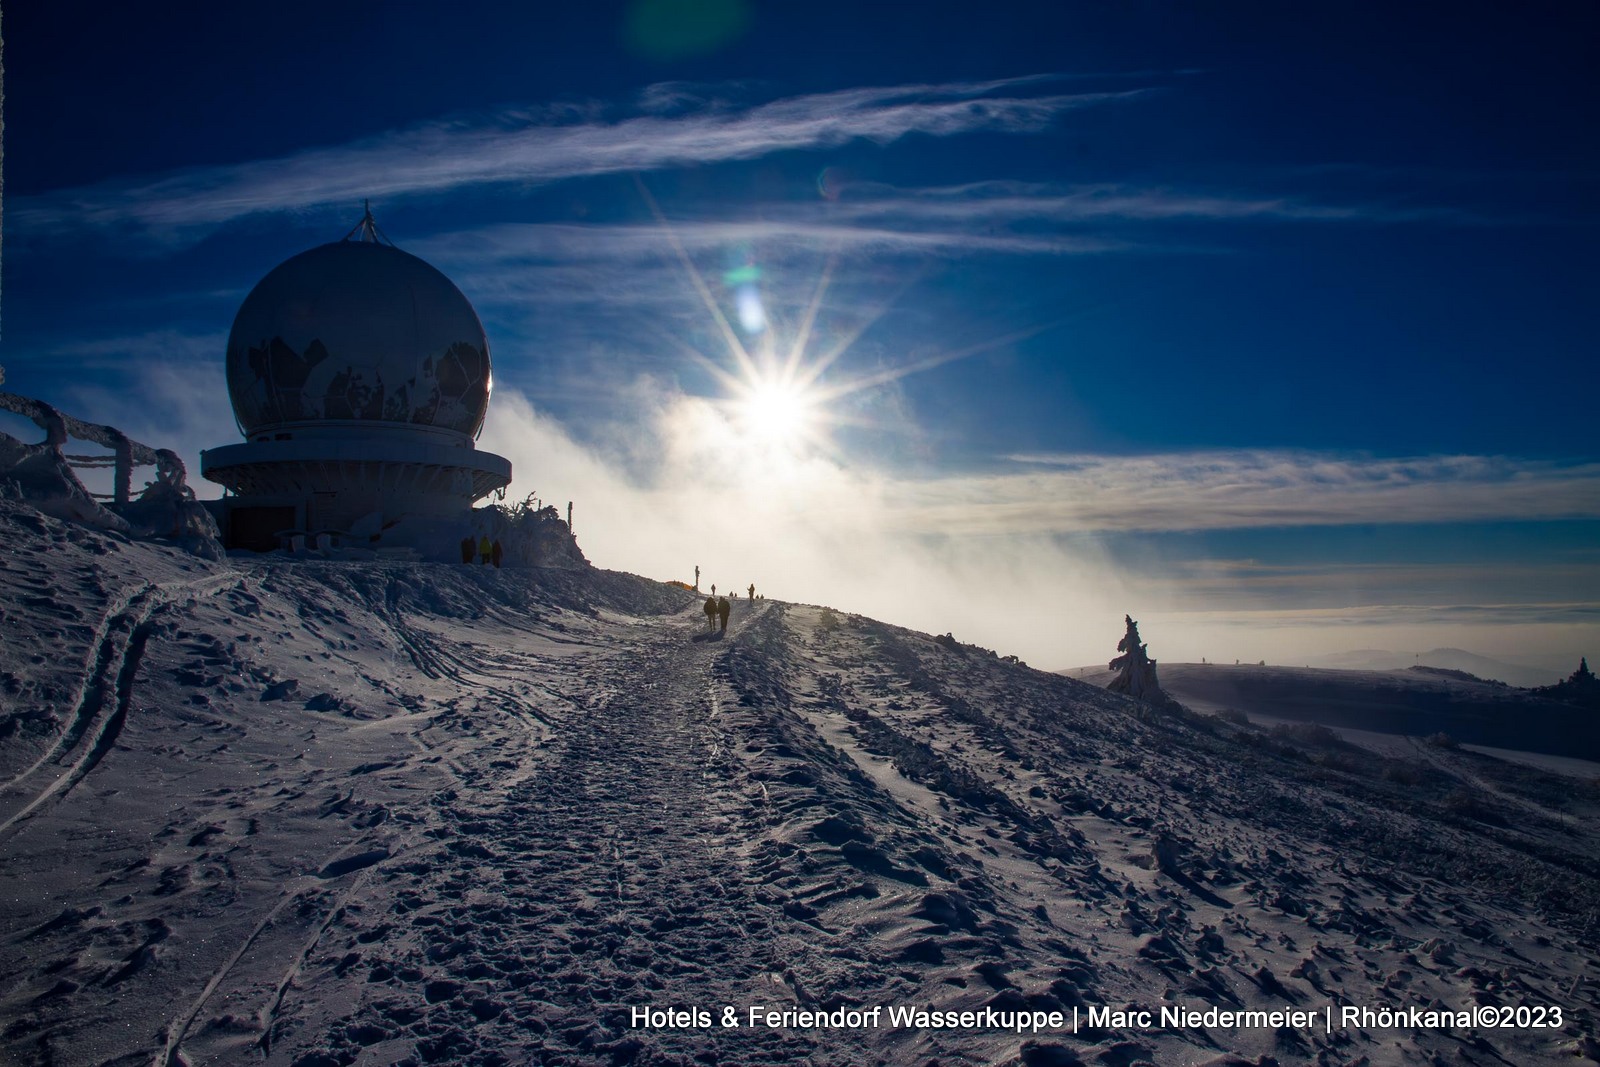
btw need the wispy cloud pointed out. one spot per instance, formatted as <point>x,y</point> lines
<point>1240,489</point>
<point>1553,586</point>
<point>133,354</point>
<point>540,146</point>
<point>994,217</point>
<point>627,265</point>
<point>993,202</point>
<point>1368,616</point>
<point>567,244</point>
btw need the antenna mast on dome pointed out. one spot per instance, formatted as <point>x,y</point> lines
<point>367,228</point>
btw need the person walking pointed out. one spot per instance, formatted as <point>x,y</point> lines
<point>711,613</point>
<point>496,554</point>
<point>752,590</point>
<point>466,549</point>
<point>723,607</point>
<point>485,549</point>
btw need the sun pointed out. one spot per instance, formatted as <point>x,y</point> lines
<point>776,413</point>
<point>774,393</point>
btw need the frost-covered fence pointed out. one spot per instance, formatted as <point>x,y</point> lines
<point>43,474</point>
<point>126,453</point>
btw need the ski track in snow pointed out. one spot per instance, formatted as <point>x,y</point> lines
<point>103,643</point>
<point>329,813</point>
<point>104,693</point>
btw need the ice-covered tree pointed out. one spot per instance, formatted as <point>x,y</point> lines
<point>1582,682</point>
<point>1136,675</point>
<point>1581,687</point>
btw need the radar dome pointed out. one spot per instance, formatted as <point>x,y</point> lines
<point>358,331</point>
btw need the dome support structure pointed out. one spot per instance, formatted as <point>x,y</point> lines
<point>367,230</point>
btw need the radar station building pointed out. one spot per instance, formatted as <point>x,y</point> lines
<point>360,378</point>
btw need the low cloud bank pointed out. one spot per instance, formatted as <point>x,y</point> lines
<point>1013,561</point>
<point>801,528</point>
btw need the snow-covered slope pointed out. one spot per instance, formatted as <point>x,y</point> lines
<point>328,812</point>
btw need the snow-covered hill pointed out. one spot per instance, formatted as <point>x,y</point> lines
<point>1417,701</point>
<point>1454,659</point>
<point>333,812</point>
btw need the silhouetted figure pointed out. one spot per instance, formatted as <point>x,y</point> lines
<point>697,577</point>
<point>711,612</point>
<point>467,547</point>
<point>723,607</point>
<point>496,554</point>
<point>713,588</point>
<point>485,549</point>
<point>752,590</point>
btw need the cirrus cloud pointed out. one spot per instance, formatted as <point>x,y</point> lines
<point>539,146</point>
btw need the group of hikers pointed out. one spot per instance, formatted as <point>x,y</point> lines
<point>483,550</point>
<point>717,608</point>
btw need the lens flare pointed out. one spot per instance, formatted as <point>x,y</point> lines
<point>830,183</point>
<point>745,281</point>
<point>747,304</point>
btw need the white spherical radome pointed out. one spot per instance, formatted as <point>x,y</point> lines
<point>357,331</point>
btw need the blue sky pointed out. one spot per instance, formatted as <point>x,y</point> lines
<point>1271,324</point>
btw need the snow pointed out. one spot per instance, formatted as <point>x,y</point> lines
<point>310,812</point>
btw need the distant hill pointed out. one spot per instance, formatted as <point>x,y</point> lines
<point>1419,703</point>
<point>1455,659</point>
